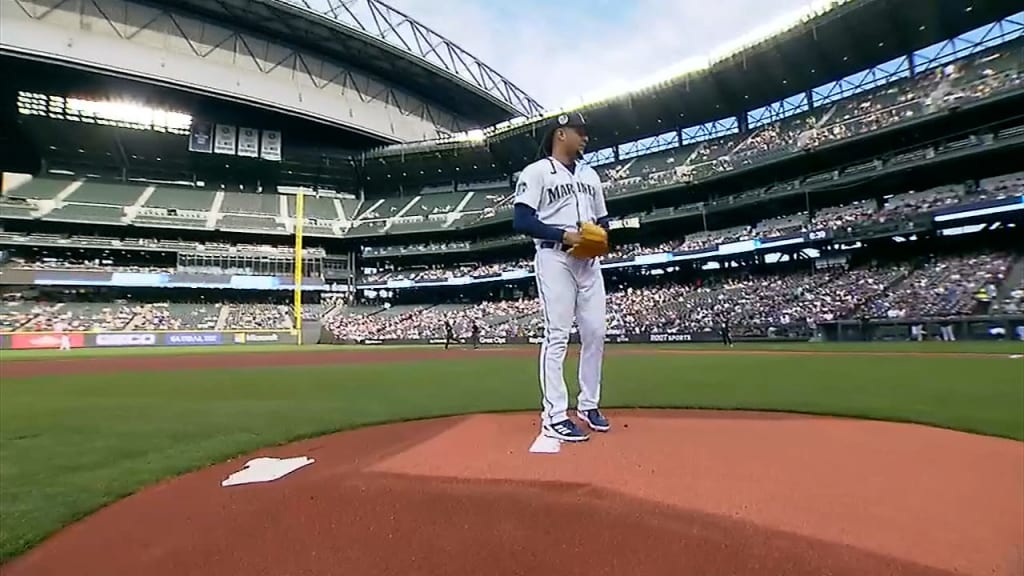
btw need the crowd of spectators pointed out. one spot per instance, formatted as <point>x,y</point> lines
<point>76,316</point>
<point>82,265</point>
<point>896,207</point>
<point>944,287</point>
<point>762,304</point>
<point>423,247</point>
<point>165,316</point>
<point>444,273</point>
<point>929,92</point>
<point>68,317</point>
<point>756,304</point>
<point>259,317</point>
<point>1012,302</point>
<point>504,318</point>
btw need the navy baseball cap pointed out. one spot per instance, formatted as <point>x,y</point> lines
<point>569,120</point>
<point>573,120</point>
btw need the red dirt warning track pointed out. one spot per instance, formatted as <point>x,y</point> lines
<point>667,492</point>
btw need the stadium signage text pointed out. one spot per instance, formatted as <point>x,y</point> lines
<point>192,339</point>
<point>670,338</point>
<point>242,338</point>
<point>126,339</point>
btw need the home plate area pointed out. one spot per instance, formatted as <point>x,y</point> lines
<point>665,492</point>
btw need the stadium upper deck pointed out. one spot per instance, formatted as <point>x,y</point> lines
<point>829,55</point>
<point>359,65</point>
<point>990,74</point>
<point>454,185</point>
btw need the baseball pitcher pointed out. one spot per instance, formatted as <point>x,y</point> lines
<point>560,203</point>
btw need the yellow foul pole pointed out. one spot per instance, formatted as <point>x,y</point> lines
<point>297,299</point>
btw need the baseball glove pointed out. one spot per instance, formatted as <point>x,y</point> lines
<point>594,242</point>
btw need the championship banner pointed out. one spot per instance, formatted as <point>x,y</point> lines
<point>201,137</point>
<point>224,141</point>
<point>270,145</point>
<point>248,142</point>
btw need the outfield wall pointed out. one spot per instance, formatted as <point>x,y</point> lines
<point>977,328</point>
<point>147,339</point>
<point>653,338</point>
<point>1008,327</point>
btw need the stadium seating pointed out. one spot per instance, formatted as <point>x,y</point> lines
<point>251,204</point>
<point>756,305</point>
<point>978,76</point>
<point>350,207</point>
<point>87,213</point>
<point>383,208</point>
<point>40,189</point>
<point>181,198</point>
<point>107,194</point>
<point>258,317</point>
<point>450,206</point>
<point>240,222</point>
<point>315,208</point>
<point>942,287</point>
<point>431,204</point>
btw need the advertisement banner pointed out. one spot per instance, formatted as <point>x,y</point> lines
<point>192,339</point>
<point>130,339</point>
<point>248,142</point>
<point>251,338</point>
<point>670,338</point>
<point>224,140</point>
<point>46,340</point>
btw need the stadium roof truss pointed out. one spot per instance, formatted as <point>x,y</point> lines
<point>794,73</point>
<point>386,42</point>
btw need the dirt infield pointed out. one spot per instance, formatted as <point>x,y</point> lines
<point>108,364</point>
<point>667,492</point>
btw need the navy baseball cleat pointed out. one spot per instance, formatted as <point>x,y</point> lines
<point>594,419</point>
<point>566,431</point>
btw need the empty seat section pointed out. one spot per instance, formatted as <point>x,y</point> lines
<point>181,198</point>
<point>40,189</point>
<point>435,204</point>
<point>107,193</point>
<point>250,203</point>
<point>249,223</point>
<point>87,213</point>
<point>313,207</point>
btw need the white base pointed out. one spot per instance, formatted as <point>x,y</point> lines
<point>545,445</point>
<point>266,470</point>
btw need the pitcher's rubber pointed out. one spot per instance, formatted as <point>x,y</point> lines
<point>666,492</point>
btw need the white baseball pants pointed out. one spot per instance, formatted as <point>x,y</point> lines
<point>569,288</point>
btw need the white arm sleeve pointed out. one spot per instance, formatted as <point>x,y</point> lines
<point>528,187</point>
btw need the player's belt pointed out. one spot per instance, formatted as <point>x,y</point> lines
<point>549,245</point>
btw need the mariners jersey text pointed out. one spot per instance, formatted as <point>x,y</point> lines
<point>560,197</point>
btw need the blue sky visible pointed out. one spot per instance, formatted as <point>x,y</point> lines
<point>562,51</point>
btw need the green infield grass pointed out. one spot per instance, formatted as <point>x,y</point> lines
<point>69,445</point>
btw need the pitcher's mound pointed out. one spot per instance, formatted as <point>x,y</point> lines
<point>666,492</point>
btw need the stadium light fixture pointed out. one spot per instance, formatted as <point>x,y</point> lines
<point>107,113</point>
